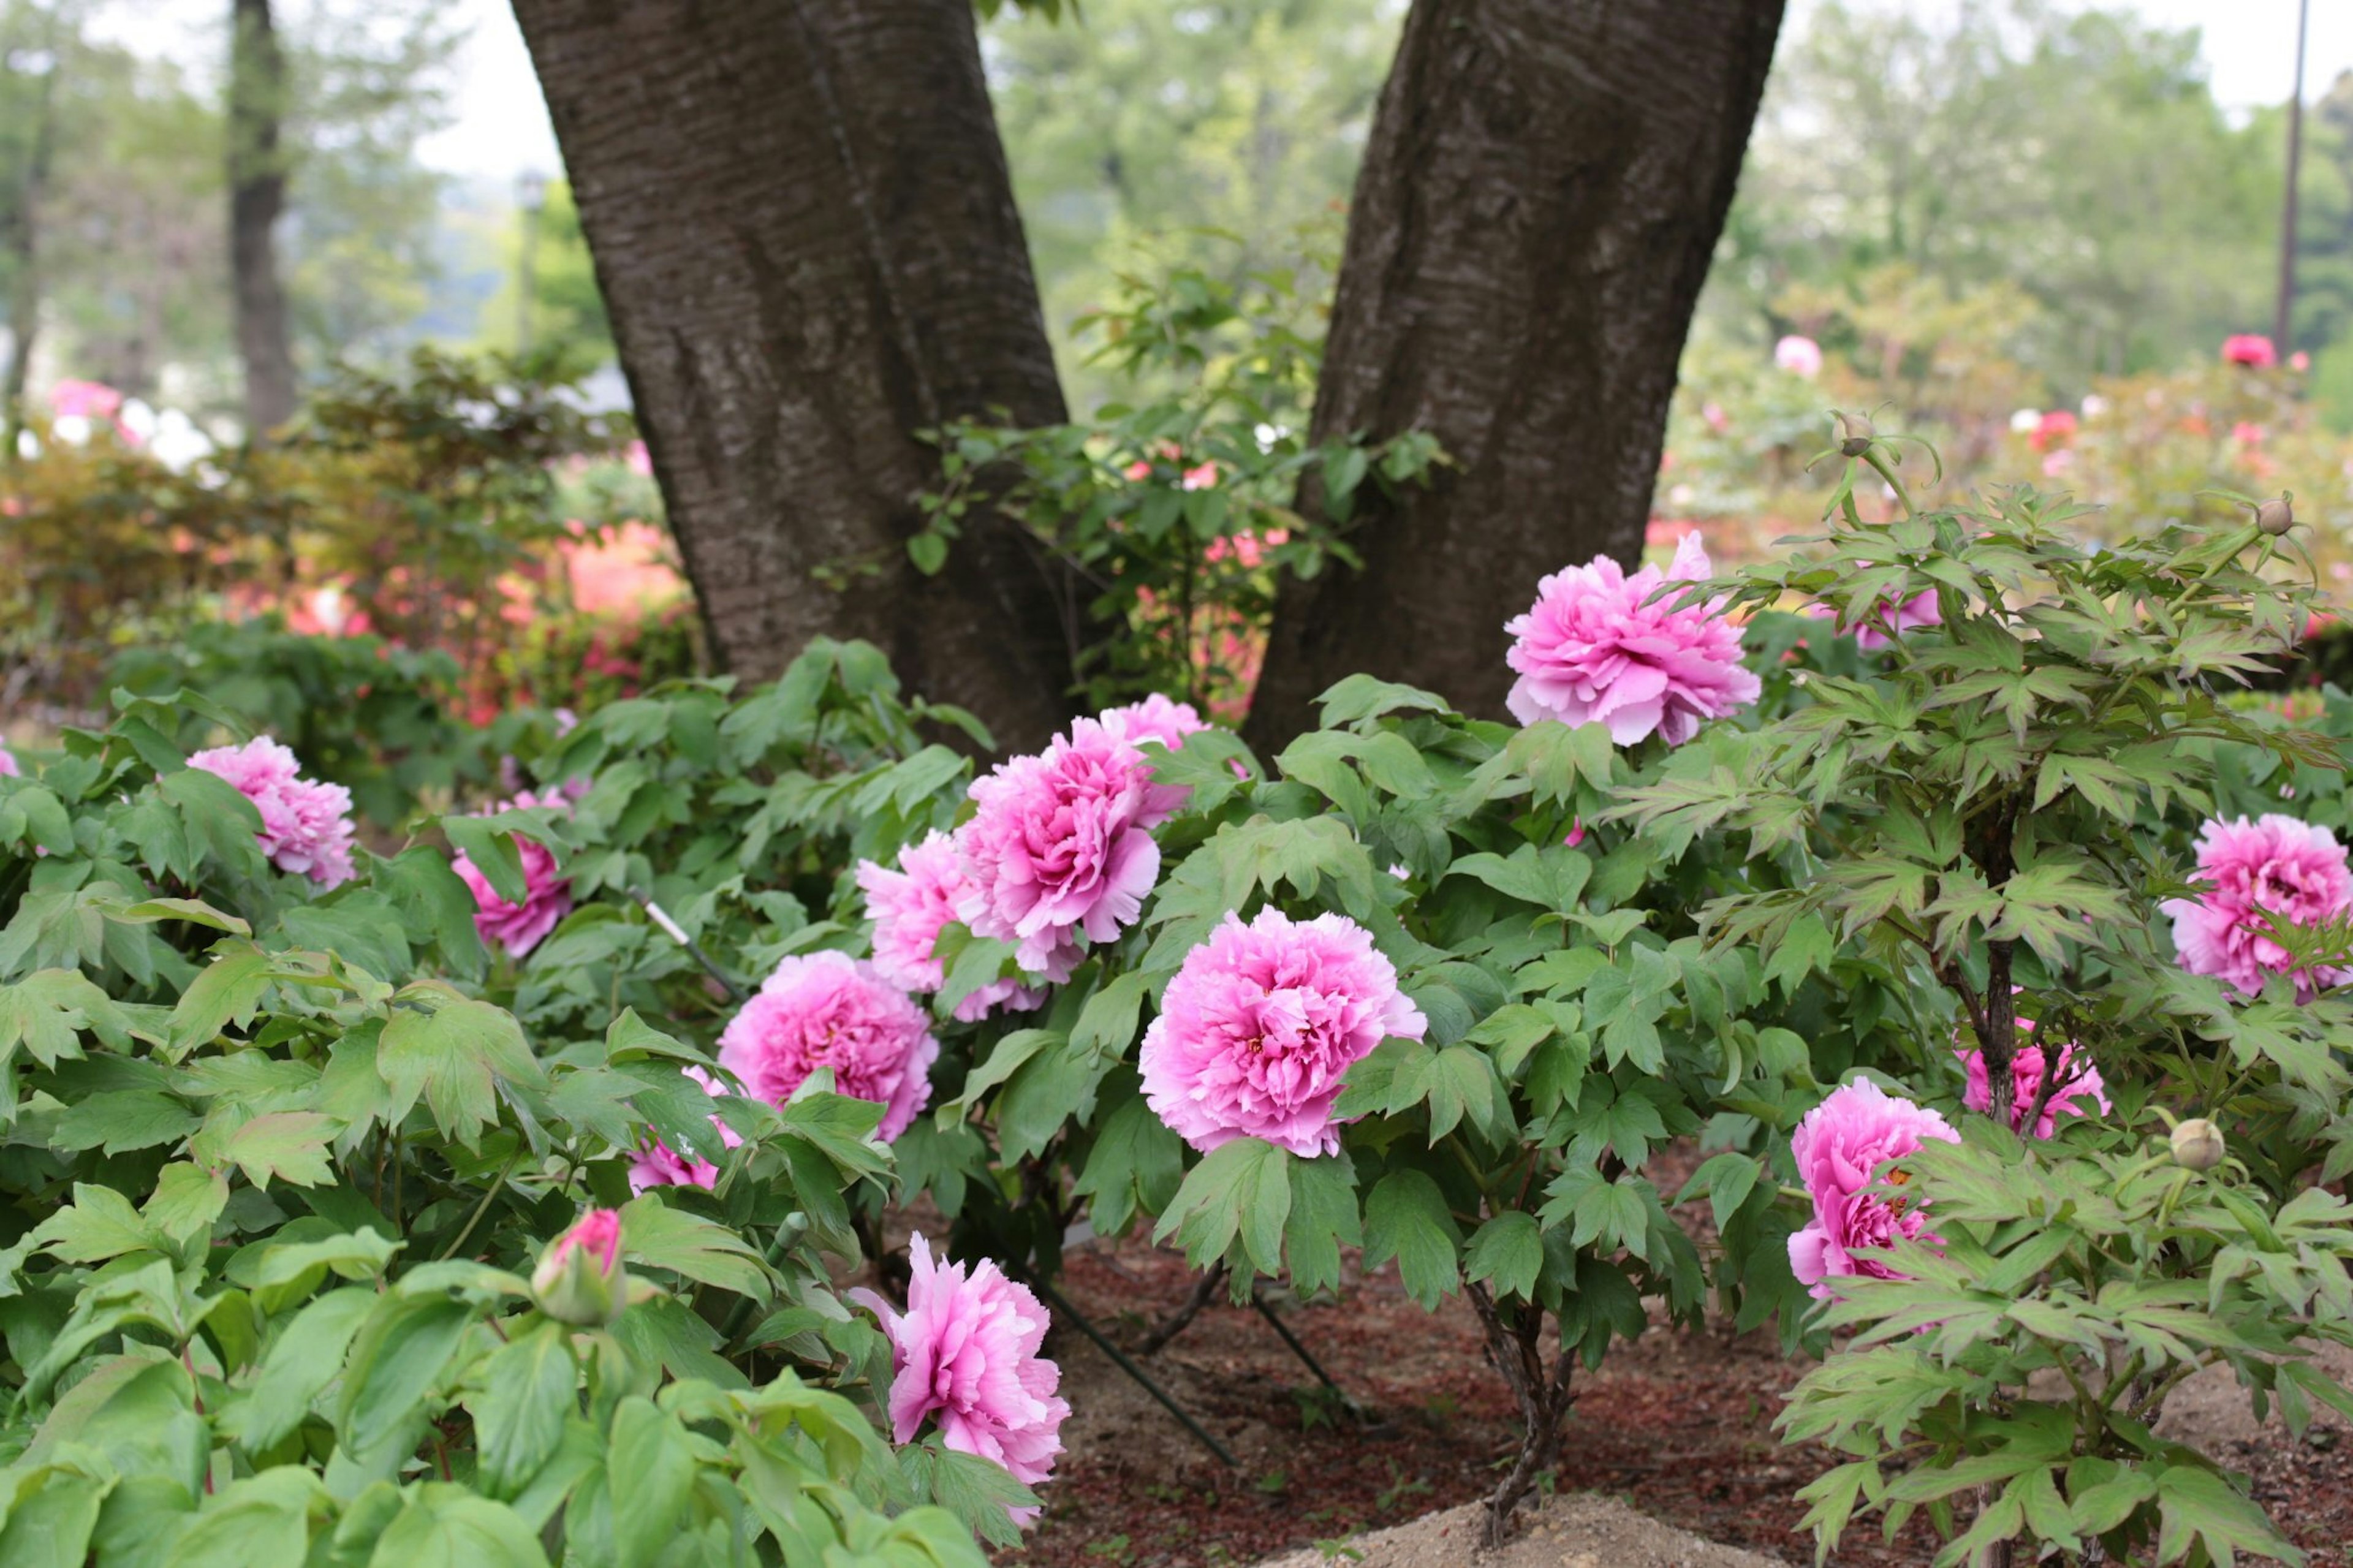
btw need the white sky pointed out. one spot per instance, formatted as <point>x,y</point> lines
<point>500,128</point>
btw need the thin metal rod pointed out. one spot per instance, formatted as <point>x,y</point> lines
<point>672,929</point>
<point>1297,1349</point>
<point>1054,1300</point>
<point>2283,319</point>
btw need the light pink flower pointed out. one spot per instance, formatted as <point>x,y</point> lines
<point>907,907</point>
<point>579,1278</point>
<point>663,1166</point>
<point>2081,1091</point>
<point>2292,870</point>
<point>1837,1147</point>
<point>1061,852</point>
<point>1153,719</point>
<point>2250,349</point>
<point>1798,356</point>
<point>1920,610</point>
<point>9,766</point>
<point>1203,478</point>
<point>829,1010</point>
<point>2247,433</point>
<point>1261,1023</point>
<point>1139,469</point>
<point>547,897</point>
<point>965,1354</point>
<point>84,400</point>
<point>306,826</point>
<point>2299,362</point>
<point>1595,647</point>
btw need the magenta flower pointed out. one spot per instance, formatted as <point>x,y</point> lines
<point>1798,356</point>
<point>2293,870</point>
<point>306,826</point>
<point>1837,1146</point>
<point>663,1166</point>
<point>965,1353</point>
<point>829,1010</point>
<point>1261,1023</point>
<point>2250,349</point>
<point>909,906</point>
<point>1153,719</point>
<point>547,897</point>
<point>1596,647</point>
<point>1920,610</point>
<point>1061,852</point>
<point>2081,1091</point>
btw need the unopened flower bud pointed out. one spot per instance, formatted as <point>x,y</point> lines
<point>1855,434</point>
<point>2275,516</point>
<point>2198,1144</point>
<point>579,1279</point>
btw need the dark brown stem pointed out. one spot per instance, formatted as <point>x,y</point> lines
<point>1999,1041</point>
<point>1516,1350</point>
<point>1175,1322</point>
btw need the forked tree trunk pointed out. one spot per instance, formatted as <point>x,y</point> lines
<point>803,227</point>
<point>1546,182</point>
<point>256,195</point>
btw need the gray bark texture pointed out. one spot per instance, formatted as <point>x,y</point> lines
<point>805,235</point>
<point>1544,185</point>
<point>256,195</point>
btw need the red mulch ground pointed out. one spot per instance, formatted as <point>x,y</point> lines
<point>1679,1424</point>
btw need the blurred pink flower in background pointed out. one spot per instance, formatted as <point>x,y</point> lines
<point>965,1354</point>
<point>629,569</point>
<point>2055,428</point>
<point>639,460</point>
<point>1203,478</point>
<point>306,826</point>
<point>2250,349</point>
<point>2247,433</point>
<point>1261,1024</point>
<point>84,400</point>
<point>1798,356</point>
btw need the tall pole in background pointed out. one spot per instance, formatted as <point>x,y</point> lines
<point>532,188</point>
<point>2294,165</point>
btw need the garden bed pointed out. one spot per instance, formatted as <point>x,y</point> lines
<point>1678,1425</point>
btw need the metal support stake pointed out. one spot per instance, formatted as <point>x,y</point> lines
<point>1297,1349</point>
<point>1054,1300</point>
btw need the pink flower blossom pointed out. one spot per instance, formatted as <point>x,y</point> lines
<point>1716,418</point>
<point>663,1166</point>
<point>907,907</point>
<point>1139,469</point>
<point>1261,1023</point>
<point>1920,610</point>
<point>639,460</point>
<point>579,1278</point>
<point>1153,719</point>
<point>1837,1147</point>
<point>1202,477</point>
<point>306,826</point>
<point>1061,852</point>
<point>1576,833</point>
<point>9,767</point>
<point>2081,1091</point>
<point>1597,646</point>
<point>2299,362</point>
<point>965,1354</point>
<point>84,400</point>
<point>2292,870</point>
<point>2054,429</point>
<point>2247,433</point>
<point>546,899</point>
<point>1798,356</point>
<point>2250,349</point>
<point>829,1010</point>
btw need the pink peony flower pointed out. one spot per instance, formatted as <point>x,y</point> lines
<point>1261,1023</point>
<point>1837,1146</point>
<point>306,826</point>
<point>1576,833</point>
<point>2081,1091</point>
<point>579,1279</point>
<point>907,907</point>
<point>829,1010</point>
<point>1595,647</point>
<point>663,1166</point>
<point>2292,870</point>
<point>965,1353</point>
<point>1920,610</point>
<point>2250,349</point>
<point>1153,719</point>
<point>547,897</point>
<point>1061,847</point>
<point>1798,356</point>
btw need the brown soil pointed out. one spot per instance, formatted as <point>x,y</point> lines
<point>1679,1425</point>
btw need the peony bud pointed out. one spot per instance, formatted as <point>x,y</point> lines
<point>1576,833</point>
<point>2198,1144</point>
<point>579,1279</point>
<point>1855,434</point>
<point>2275,516</point>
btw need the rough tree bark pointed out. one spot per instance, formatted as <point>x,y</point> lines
<point>256,195</point>
<point>804,230</point>
<point>1544,183</point>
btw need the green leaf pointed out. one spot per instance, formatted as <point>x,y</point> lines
<point>1239,1188</point>
<point>652,1456</point>
<point>1727,1180</point>
<point>403,1349</point>
<point>1508,1250</point>
<point>186,1201</point>
<point>446,1526</point>
<point>1405,1218</point>
<point>1322,1220</point>
<point>454,1055</point>
<point>257,1521</point>
<point>289,1145</point>
<point>2198,1505</point>
<point>528,1388</point>
<point>1136,1166</point>
<point>229,990</point>
<point>1106,1025</point>
<point>306,1357</point>
<point>492,852</point>
<point>48,1010</point>
<point>659,1237</point>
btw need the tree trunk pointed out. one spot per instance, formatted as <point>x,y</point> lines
<point>22,227</point>
<point>1542,190</point>
<point>803,227</point>
<point>257,194</point>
